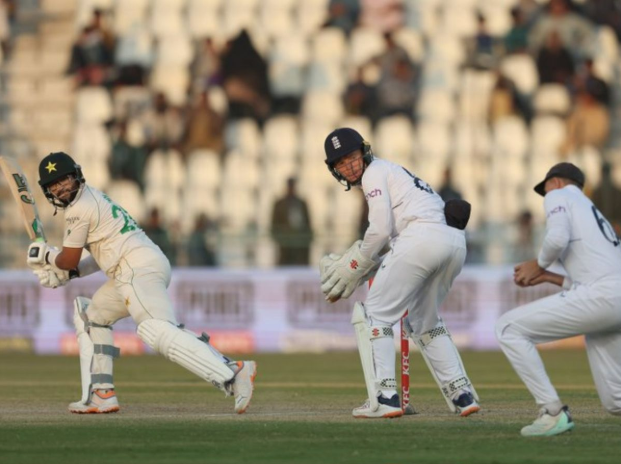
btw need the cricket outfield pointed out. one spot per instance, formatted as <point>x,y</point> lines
<point>301,413</point>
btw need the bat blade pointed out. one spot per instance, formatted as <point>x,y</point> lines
<point>23,196</point>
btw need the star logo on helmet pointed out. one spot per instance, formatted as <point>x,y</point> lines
<point>50,167</point>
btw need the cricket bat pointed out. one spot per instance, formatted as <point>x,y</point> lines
<point>23,196</point>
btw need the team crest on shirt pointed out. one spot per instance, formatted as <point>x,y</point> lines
<point>336,142</point>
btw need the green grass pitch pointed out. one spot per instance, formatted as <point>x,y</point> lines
<point>301,413</point>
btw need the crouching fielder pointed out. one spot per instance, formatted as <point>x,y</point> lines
<point>582,240</point>
<point>139,275</point>
<point>416,274</point>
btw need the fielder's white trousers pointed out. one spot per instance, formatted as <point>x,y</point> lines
<point>138,289</point>
<point>593,310</point>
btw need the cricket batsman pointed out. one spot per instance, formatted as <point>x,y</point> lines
<point>138,277</point>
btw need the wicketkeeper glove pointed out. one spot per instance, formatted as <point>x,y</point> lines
<point>49,278</point>
<point>345,275</point>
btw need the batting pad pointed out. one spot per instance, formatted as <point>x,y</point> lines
<point>186,350</point>
<point>361,327</point>
<point>97,350</point>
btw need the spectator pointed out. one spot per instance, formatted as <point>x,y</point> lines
<point>163,124</point>
<point>607,198</point>
<point>447,190</point>
<point>481,55</point>
<point>205,67</point>
<point>587,80</point>
<point>127,161</point>
<point>554,62</point>
<point>587,125</point>
<point>343,14</point>
<point>90,60</point>
<point>574,31</point>
<point>107,36</point>
<point>358,97</point>
<point>200,253</point>
<point>204,128</point>
<point>159,235</point>
<point>524,248</point>
<point>516,40</point>
<point>505,100</point>
<point>291,228</point>
<point>244,79</point>
<point>396,90</point>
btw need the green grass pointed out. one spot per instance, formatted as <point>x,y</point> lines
<point>301,413</point>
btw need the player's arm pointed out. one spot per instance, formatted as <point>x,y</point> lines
<point>377,235</point>
<point>558,229</point>
<point>68,259</point>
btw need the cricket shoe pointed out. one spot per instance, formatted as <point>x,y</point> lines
<point>388,408</point>
<point>547,425</point>
<point>100,402</point>
<point>465,404</point>
<point>243,384</point>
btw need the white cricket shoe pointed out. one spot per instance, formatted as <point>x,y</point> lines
<point>243,385</point>
<point>100,402</point>
<point>388,409</point>
<point>547,425</point>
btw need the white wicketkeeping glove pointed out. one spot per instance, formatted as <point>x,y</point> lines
<point>49,278</point>
<point>346,274</point>
<point>326,266</point>
<point>40,254</point>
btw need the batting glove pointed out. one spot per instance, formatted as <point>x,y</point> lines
<point>48,278</point>
<point>40,254</point>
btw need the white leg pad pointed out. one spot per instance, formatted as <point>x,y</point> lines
<point>97,351</point>
<point>449,355</point>
<point>187,350</point>
<point>364,335</point>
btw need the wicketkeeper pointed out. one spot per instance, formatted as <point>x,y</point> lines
<point>416,274</point>
<point>138,274</point>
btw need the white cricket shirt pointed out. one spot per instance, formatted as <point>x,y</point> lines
<point>104,228</point>
<point>579,237</point>
<point>395,198</point>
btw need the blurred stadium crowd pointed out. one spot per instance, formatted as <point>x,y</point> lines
<point>206,118</point>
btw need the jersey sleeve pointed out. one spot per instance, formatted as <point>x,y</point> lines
<point>78,222</point>
<point>375,188</point>
<point>558,228</point>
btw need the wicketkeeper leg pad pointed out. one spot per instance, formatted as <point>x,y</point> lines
<point>97,350</point>
<point>364,336</point>
<point>444,363</point>
<point>187,350</point>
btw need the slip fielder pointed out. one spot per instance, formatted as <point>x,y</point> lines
<point>138,274</point>
<point>582,240</point>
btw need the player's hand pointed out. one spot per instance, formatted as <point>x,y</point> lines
<point>326,266</point>
<point>346,274</point>
<point>525,273</point>
<point>40,254</point>
<point>50,279</point>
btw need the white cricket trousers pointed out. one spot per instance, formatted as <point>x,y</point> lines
<point>138,288</point>
<point>593,310</point>
<point>416,276</point>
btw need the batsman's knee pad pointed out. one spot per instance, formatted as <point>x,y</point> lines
<point>96,347</point>
<point>185,349</point>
